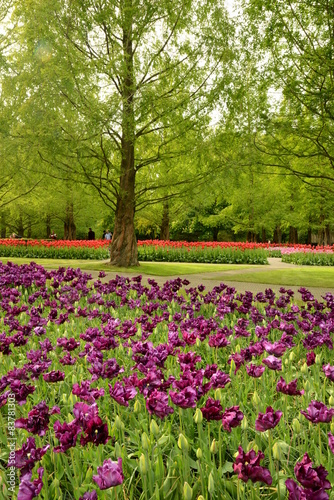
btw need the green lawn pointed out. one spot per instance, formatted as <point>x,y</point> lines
<point>322,277</point>
<point>149,268</point>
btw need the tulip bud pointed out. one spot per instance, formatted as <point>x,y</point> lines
<point>331,400</point>
<point>198,344</point>
<point>198,416</point>
<point>232,369</point>
<point>183,443</point>
<point>145,442</point>
<point>256,399</point>
<point>201,497</point>
<point>292,356</point>
<point>304,368</point>
<point>142,464</point>
<point>89,475</point>
<point>199,453</point>
<point>130,352</point>
<point>214,447</point>
<point>238,348</point>
<point>74,379</point>
<point>277,451</point>
<point>296,425</point>
<point>118,450</point>
<point>318,359</point>
<point>332,427</point>
<point>307,386</point>
<point>137,406</point>
<point>118,423</point>
<point>218,394</point>
<point>244,423</point>
<point>154,428</point>
<point>187,491</point>
<point>211,484</point>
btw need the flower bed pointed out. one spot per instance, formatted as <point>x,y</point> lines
<point>121,390</point>
<point>310,258</point>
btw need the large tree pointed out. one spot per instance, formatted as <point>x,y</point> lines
<point>124,85</point>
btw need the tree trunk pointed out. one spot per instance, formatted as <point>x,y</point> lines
<point>215,231</point>
<point>264,235</point>
<point>20,227</point>
<point>278,235</point>
<point>3,225</point>
<point>123,247</point>
<point>293,235</point>
<point>48,225</point>
<point>164,227</point>
<point>29,233</point>
<point>70,230</point>
<point>309,236</point>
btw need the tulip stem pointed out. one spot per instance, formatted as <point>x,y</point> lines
<point>319,428</point>
<point>270,451</point>
<point>278,485</point>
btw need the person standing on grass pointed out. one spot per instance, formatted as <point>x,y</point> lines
<point>108,235</point>
<point>91,234</point>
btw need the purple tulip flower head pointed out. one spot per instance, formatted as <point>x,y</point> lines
<point>267,420</point>
<point>67,435</point>
<point>313,478</point>
<point>157,404</point>
<point>28,455</point>
<point>186,398</point>
<point>212,410</point>
<point>38,419</point>
<point>289,389</point>
<point>232,417</point>
<point>247,466</point>
<point>89,495</point>
<point>273,363</point>
<point>296,492</point>
<point>331,442</point>
<point>329,371</point>
<point>122,394</point>
<point>110,474</point>
<point>255,371</point>
<point>310,358</point>
<point>318,412</point>
<point>30,489</point>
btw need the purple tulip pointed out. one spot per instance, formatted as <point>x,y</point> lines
<point>30,489</point>
<point>232,417</point>
<point>28,455</point>
<point>89,496</point>
<point>331,442</point>
<point>311,477</point>
<point>67,359</point>
<point>267,420</point>
<point>21,391</point>
<point>219,380</point>
<point>289,389</point>
<point>110,474</point>
<point>67,435</point>
<point>186,398</point>
<point>122,394</point>
<point>273,363</point>
<point>247,466</point>
<point>38,419</point>
<point>54,376</point>
<point>277,348</point>
<point>157,404</point>
<point>86,393</point>
<point>96,432</point>
<point>329,371</point>
<point>255,370</point>
<point>83,413</point>
<point>318,412</point>
<point>212,410</point>
<point>68,344</point>
<point>310,358</point>
<point>296,492</point>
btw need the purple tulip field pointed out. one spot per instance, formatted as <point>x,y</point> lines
<point>120,390</point>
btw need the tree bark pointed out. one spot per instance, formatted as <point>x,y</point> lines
<point>123,247</point>
<point>278,235</point>
<point>293,235</point>
<point>3,225</point>
<point>70,230</point>
<point>164,227</point>
<point>48,225</point>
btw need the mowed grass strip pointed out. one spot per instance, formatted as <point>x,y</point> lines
<point>145,268</point>
<point>300,276</point>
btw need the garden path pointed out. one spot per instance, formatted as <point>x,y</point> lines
<point>212,279</point>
